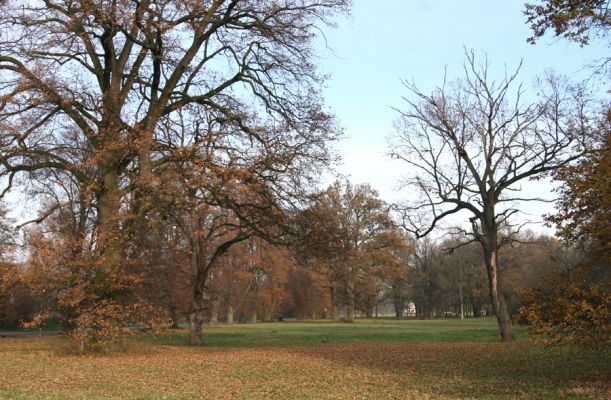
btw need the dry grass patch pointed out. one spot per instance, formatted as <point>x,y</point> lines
<point>33,368</point>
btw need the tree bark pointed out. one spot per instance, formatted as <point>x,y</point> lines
<point>107,198</point>
<point>334,311</point>
<point>350,304</point>
<point>196,317</point>
<point>496,293</point>
<point>229,314</point>
<point>214,311</point>
<point>399,306</point>
<point>460,294</point>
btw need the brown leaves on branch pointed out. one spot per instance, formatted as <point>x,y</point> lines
<point>577,21</point>
<point>574,305</point>
<point>204,117</point>
<point>569,307</point>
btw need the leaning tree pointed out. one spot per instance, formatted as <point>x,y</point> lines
<point>472,143</point>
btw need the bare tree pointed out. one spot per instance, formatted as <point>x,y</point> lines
<point>471,144</point>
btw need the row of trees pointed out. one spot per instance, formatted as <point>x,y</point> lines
<point>349,257</point>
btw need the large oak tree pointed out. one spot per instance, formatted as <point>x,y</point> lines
<point>91,90</point>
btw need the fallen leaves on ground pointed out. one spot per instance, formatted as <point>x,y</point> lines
<point>32,368</point>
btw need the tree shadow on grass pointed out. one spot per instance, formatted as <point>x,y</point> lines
<point>490,370</point>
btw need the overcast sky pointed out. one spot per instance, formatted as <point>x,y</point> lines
<point>385,41</point>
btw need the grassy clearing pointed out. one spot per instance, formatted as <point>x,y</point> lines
<point>317,332</point>
<point>387,359</point>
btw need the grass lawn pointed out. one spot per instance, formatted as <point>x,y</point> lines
<point>442,359</point>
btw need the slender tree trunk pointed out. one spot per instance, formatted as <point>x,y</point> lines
<point>229,314</point>
<point>496,293</point>
<point>460,294</point>
<point>196,315</point>
<point>350,304</point>
<point>254,316</point>
<point>334,311</point>
<point>214,311</point>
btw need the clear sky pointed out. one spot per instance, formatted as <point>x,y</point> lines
<point>384,41</point>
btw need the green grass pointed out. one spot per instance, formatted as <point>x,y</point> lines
<point>316,332</point>
<point>53,327</point>
<point>438,359</point>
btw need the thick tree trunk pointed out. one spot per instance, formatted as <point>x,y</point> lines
<point>196,317</point>
<point>399,306</point>
<point>108,200</point>
<point>496,294</point>
<point>254,317</point>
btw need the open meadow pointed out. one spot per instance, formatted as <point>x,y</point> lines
<point>439,359</point>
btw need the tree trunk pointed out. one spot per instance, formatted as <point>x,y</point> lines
<point>460,294</point>
<point>196,317</point>
<point>350,305</point>
<point>496,293</point>
<point>229,314</point>
<point>399,306</point>
<point>254,316</point>
<point>108,243</point>
<point>267,317</point>
<point>175,315</point>
<point>334,310</point>
<point>214,311</point>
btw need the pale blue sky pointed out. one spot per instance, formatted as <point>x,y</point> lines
<point>387,40</point>
<point>384,41</point>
